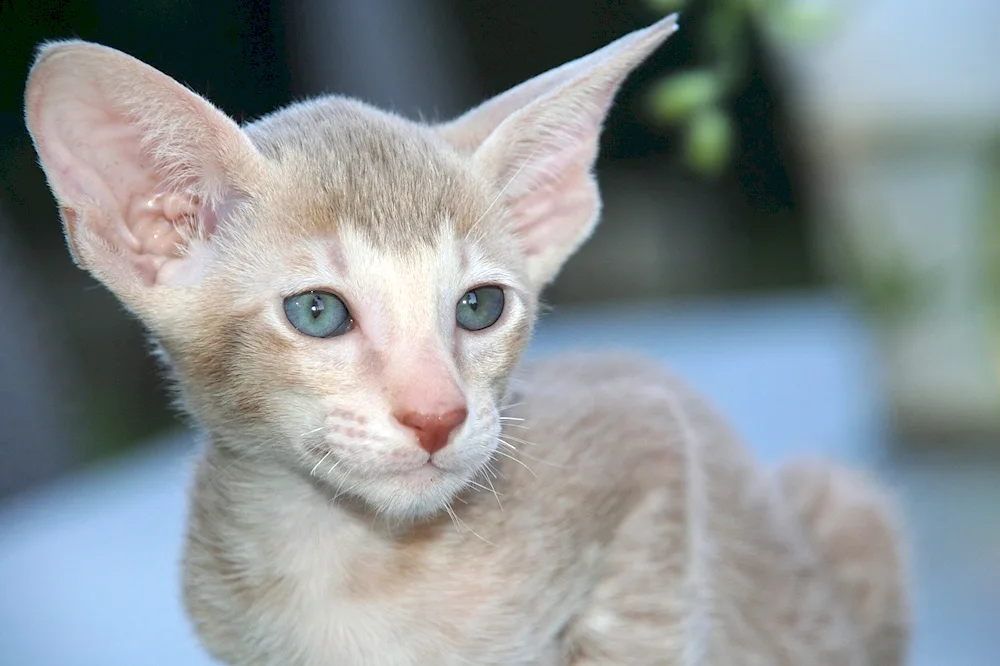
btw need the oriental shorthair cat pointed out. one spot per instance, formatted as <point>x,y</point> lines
<point>342,297</point>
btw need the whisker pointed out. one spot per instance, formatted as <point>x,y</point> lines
<point>493,471</point>
<point>454,520</point>
<point>521,441</point>
<point>311,432</point>
<point>511,406</point>
<point>540,461</point>
<point>495,494</point>
<point>326,455</point>
<point>238,459</point>
<point>475,484</point>
<point>519,462</point>
<point>347,490</point>
<point>461,523</point>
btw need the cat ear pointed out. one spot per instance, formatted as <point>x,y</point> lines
<point>141,167</point>
<point>537,143</point>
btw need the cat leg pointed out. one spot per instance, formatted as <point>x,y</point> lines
<point>854,527</point>
<point>636,615</point>
<point>731,589</point>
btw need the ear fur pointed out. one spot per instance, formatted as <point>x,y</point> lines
<point>537,144</point>
<point>140,166</point>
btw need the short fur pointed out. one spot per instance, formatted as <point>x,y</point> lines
<point>589,510</point>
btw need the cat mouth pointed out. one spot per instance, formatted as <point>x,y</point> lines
<point>419,479</point>
<point>429,467</point>
<point>428,472</point>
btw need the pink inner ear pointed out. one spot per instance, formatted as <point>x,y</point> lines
<point>167,228</point>
<point>550,192</point>
<point>100,161</point>
<point>161,238</point>
<point>162,224</point>
<point>540,156</point>
<point>552,216</point>
<point>96,140</point>
<point>134,159</point>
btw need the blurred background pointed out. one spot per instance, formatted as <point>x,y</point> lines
<point>784,166</point>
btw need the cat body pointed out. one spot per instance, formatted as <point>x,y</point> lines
<point>343,297</point>
<point>651,539</point>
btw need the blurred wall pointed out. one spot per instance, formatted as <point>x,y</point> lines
<point>38,425</point>
<point>902,103</point>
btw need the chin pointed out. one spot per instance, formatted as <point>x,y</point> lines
<point>415,495</point>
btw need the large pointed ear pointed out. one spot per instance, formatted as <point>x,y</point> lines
<point>141,167</point>
<point>537,143</point>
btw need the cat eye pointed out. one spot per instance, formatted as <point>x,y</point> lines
<point>318,314</point>
<point>479,308</point>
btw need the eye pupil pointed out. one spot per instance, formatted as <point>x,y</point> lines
<point>318,314</point>
<point>479,308</point>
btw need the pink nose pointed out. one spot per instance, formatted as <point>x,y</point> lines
<point>432,430</point>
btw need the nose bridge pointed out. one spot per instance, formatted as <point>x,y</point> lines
<point>420,368</point>
<point>427,398</point>
<point>424,380</point>
<point>417,367</point>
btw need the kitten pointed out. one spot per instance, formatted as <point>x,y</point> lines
<point>343,296</point>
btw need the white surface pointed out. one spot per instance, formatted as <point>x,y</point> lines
<point>89,566</point>
<point>903,62</point>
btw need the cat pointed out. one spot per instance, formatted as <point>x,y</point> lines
<point>342,297</point>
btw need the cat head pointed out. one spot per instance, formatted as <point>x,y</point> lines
<point>337,289</point>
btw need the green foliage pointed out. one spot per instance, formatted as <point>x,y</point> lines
<point>888,284</point>
<point>991,234</point>
<point>695,99</point>
<point>679,97</point>
<point>802,23</point>
<point>667,6</point>
<point>709,140</point>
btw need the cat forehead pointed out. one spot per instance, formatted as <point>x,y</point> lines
<point>396,182</point>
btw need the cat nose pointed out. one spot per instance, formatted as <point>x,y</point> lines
<point>432,430</point>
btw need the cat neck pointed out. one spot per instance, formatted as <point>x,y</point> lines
<point>263,539</point>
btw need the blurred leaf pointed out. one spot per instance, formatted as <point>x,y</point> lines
<point>694,96</point>
<point>724,28</point>
<point>889,290</point>
<point>803,22</point>
<point>760,7</point>
<point>888,286</point>
<point>666,6</point>
<point>710,139</point>
<point>991,241</point>
<point>677,97</point>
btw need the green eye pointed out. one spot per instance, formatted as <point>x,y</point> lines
<point>479,308</point>
<point>318,314</point>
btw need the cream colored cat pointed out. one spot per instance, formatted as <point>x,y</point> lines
<point>343,296</point>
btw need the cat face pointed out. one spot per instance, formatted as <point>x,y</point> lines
<point>322,339</point>
<point>337,290</point>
